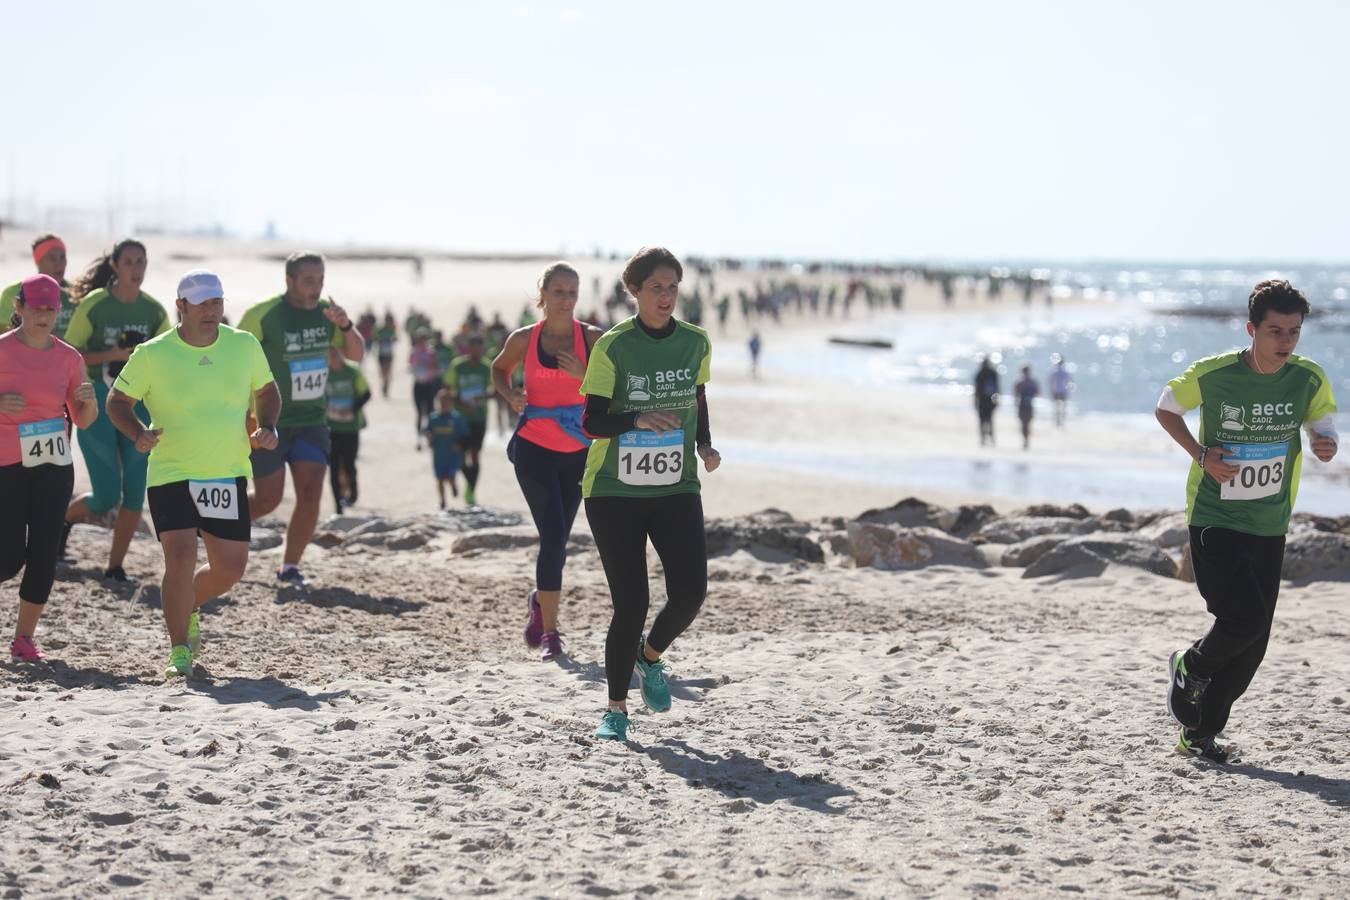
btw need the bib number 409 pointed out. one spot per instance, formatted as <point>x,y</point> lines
<point>215,499</point>
<point>648,459</point>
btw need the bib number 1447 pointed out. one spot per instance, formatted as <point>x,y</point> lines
<point>650,459</point>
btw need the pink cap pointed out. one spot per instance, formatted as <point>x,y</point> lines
<point>40,292</point>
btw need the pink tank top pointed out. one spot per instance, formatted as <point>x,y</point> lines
<point>552,387</point>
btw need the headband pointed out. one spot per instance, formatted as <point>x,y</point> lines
<point>46,247</point>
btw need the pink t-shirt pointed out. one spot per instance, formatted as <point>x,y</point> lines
<point>46,378</point>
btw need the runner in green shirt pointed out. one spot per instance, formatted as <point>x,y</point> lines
<point>348,393</point>
<point>113,318</point>
<point>198,381</point>
<point>386,336</point>
<point>646,407</point>
<point>470,381</point>
<point>296,330</point>
<point>1243,480</point>
<point>49,254</point>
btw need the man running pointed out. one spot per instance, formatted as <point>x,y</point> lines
<point>197,380</point>
<point>470,380</point>
<point>296,330</point>
<point>1241,489</point>
<point>348,393</point>
<point>49,255</point>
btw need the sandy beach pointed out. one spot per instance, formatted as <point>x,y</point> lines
<point>949,729</point>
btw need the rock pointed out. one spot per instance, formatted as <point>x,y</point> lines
<point>836,541</point>
<point>1168,531</point>
<point>264,538</point>
<point>1317,556</point>
<point>891,547</point>
<point>1052,511</point>
<point>1015,529</point>
<point>769,529</point>
<point>344,522</point>
<point>1121,515</point>
<point>1024,553</point>
<point>965,520</point>
<point>476,517</point>
<point>1303,521</point>
<point>908,513</point>
<point>1186,572</point>
<point>494,540</point>
<point>1090,554</point>
<point>408,538</point>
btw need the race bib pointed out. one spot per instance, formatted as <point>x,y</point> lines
<point>472,393</point>
<point>341,409</point>
<point>647,458</point>
<point>216,499</point>
<point>309,378</point>
<point>44,443</point>
<point>1261,471</point>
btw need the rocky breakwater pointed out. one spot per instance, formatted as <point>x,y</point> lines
<point>1042,540</point>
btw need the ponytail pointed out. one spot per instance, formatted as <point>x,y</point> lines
<point>100,272</point>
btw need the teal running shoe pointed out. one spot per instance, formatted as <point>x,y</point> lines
<point>652,677</point>
<point>613,727</point>
<point>180,662</point>
<point>195,633</point>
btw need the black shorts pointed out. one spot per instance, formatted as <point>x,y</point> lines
<point>218,507</point>
<point>477,431</point>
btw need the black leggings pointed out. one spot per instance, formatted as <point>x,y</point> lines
<point>30,531</point>
<point>551,483</point>
<point>424,398</point>
<point>342,461</point>
<point>621,526</point>
<point>1238,574</point>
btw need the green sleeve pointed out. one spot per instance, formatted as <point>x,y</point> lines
<point>1186,388</point>
<point>134,379</point>
<point>164,324</point>
<point>7,298</point>
<point>260,370</point>
<point>600,373</point>
<point>252,321</point>
<point>705,368</point>
<point>80,329</point>
<point>452,376</point>
<point>1323,403</point>
<point>362,386</point>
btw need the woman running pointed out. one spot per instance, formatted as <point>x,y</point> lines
<point>548,447</point>
<point>113,318</point>
<point>426,379</point>
<point>646,407</point>
<point>41,378</point>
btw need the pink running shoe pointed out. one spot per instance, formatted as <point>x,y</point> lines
<point>534,625</point>
<point>23,649</point>
<point>551,643</point>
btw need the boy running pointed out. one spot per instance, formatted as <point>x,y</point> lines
<point>1243,480</point>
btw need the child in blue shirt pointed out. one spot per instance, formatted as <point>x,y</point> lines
<point>446,431</point>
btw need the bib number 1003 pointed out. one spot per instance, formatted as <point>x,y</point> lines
<point>1261,471</point>
<point>649,459</point>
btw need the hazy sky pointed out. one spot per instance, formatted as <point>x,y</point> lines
<point>1027,130</point>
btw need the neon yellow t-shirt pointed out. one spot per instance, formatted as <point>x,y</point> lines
<point>200,397</point>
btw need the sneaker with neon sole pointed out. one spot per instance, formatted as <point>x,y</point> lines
<point>180,662</point>
<point>195,632</point>
<point>1205,748</point>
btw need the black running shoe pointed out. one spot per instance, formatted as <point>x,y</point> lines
<point>1184,691</point>
<point>117,573</point>
<point>1205,748</point>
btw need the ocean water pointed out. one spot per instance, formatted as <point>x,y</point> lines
<point>1134,329</point>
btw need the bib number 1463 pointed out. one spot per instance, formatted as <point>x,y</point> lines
<point>1261,471</point>
<point>44,443</point>
<point>215,499</point>
<point>647,458</point>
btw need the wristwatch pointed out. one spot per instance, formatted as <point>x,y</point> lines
<point>1200,457</point>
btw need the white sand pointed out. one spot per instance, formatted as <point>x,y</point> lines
<point>836,732</point>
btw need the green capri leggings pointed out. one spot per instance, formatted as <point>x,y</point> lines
<point>116,470</point>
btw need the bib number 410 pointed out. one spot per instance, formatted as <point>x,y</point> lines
<point>44,443</point>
